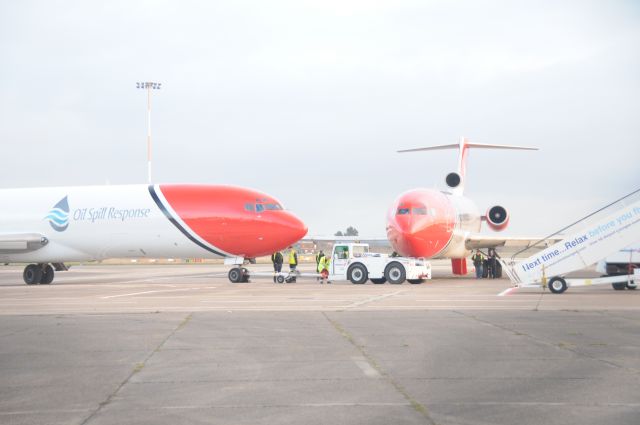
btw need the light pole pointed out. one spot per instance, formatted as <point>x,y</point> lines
<point>149,86</point>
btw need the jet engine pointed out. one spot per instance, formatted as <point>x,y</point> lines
<point>497,218</point>
<point>453,180</point>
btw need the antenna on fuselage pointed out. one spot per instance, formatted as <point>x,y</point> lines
<point>456,180</point>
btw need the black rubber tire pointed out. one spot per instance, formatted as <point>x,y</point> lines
<point>378,281</point>
<point>619,286</point>
<point>415,281</point>
<point>357,274</point>
<point>235,275</point>
<point>280,279</point>
<point>395,273</point>
<point>557,285</point>
<point>47,275</point>
<point>245,275</point>
<point>32,274</point>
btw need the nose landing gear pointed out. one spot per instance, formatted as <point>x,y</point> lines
<point>239,275</point>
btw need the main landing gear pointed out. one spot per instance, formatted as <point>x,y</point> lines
<point>41,273</point>
<point>239,275</point>
<point>38,273</point>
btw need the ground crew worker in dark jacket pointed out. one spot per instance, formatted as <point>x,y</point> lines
<point>492,263</point>
<point>276,259</point>
<point>478,259</point>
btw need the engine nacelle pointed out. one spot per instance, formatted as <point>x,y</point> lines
<point>497,218</point>
<point>453,180</point>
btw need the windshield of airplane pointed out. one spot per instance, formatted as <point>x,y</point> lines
<point>414,210</point>
<point>260,207</point>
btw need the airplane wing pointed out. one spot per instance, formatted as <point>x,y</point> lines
<point>509,245</point>
<point>21,242</point>
<point>363,239</point>
<point>504,245</point>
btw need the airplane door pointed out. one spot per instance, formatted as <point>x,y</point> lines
<point>340,259</point>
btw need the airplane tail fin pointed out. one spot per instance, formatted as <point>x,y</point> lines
<point>456,181</point>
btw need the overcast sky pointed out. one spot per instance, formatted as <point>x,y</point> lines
<point>309,100</point>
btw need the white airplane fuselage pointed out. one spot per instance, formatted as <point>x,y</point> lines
<point>132,221</point>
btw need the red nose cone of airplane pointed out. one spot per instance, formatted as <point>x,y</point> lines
<point>232,220</point>
<point>282,230</point>
<point>407,241</point>
<point>420,224</point>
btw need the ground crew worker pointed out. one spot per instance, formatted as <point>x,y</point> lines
<point>276,259</point>
<point>492,263</point>
<point>478,259</point>
<point>293,260</point>
<point>319,256</point>
<point>323,269</point>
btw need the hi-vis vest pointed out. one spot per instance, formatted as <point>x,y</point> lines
<point>292,257</point>
<point>324,263</point>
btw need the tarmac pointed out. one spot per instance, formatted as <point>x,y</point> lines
<point>183,345</point>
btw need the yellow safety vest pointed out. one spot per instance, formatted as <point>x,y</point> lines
<point>292,257</point>
<point>324,263</point>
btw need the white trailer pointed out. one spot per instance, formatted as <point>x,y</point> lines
<point>613,228</point>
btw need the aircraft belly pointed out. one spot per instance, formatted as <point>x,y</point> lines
<point>456,247</point>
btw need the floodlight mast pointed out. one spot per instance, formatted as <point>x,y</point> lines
<point>149,86</point>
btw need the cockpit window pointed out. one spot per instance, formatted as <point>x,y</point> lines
<point>261,205</point>
<point>273,207</point>
<point>420,211</point>
<point>403,211</point>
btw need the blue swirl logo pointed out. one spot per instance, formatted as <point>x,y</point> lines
<point>58,217</point>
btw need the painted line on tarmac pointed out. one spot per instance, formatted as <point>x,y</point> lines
<point>366,368</point>
<point>247,406</point>
<point>507,291</point>
<point>148,292</point>
<point>375,298</point>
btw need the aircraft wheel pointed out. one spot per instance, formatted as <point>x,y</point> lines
<point>395,273</point>
<point>557,285</point>
<point>32,274</point>
<point>245,275</point>
<point>235,275</point>
<point>357,274</point>
<point>415,281</point>
<point>378,281</point>
<point>619,286</point>
<point>47,275</point>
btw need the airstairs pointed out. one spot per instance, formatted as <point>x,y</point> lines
<point>583,243</point>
